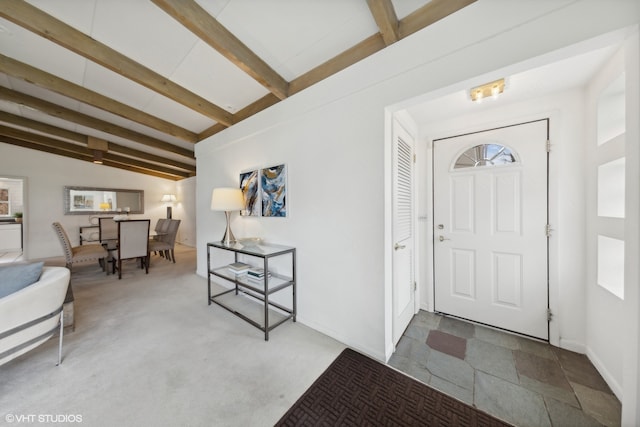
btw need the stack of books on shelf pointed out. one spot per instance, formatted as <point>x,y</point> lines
<point>238,268</point>
<point>256,274</point>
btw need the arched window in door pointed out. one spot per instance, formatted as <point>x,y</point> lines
<point>485,155</point>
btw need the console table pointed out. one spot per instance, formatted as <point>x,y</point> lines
<point>89,233</point>
<point>242,285</point>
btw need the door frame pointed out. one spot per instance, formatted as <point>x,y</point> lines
<point>424,172</point>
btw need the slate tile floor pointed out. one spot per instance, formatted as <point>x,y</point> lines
<point>522,381</point>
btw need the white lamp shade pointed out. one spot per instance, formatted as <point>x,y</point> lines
<point>227,199</point>
<point>169,198</point>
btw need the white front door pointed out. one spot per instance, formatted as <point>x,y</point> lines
<point>403,226</point>
<point>490,227</point>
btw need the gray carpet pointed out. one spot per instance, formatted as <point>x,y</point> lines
<point>148,350</point>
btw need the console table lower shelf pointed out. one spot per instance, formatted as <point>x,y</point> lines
<point>252,308</point>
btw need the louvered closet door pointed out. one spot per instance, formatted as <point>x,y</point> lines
<point>403,230</point>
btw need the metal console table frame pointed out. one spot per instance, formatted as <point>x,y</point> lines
<point>241,284</point>
<point>91,235</point>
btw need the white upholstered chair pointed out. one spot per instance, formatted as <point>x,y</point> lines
<point>133,242</point>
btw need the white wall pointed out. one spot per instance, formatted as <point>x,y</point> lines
<point>604,337</point>
<point>47,174</point>
<point>631,353</point>
<point>334,220</point>
<point>612,323</point>
<point>332,137</point>
<point>185,211</point>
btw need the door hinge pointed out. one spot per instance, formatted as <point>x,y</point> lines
<point>414,157</point>
<point>415,286</point>
<point>548,146</point>
<point>549,315</point>
<point>548,230</point>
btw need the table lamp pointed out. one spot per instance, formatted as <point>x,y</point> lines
<point>227,200</point>
<point>169,199</point>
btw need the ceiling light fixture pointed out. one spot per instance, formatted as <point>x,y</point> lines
<point>492,89</point>
<point>97,157</point>
<point>99,147</point>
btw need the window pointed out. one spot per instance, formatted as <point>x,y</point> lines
<point>10,196</point>
<point>4,202</point>
<point>485,155</point>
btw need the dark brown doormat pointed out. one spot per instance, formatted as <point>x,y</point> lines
<point>359,391</point>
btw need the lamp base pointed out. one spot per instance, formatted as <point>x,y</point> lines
<point>169,212</point>
<point>228,239</point>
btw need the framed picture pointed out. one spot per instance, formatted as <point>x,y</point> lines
<point>82,202</point>
<point>250,186</point>
<point>273,188</point>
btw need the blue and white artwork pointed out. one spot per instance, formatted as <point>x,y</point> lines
<point>274,191</point>
<point>249,184</point>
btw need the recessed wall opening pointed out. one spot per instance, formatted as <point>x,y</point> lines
<point>611,265</point>
<point>611,111</point>
<point>611,189</point>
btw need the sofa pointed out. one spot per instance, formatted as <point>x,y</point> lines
<point>31,302</point>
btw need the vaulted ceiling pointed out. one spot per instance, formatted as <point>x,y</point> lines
<point>139,82</point>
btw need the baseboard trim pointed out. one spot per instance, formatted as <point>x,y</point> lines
<point>606,375</point>
<point>341,338</point>
<point>574,346</point>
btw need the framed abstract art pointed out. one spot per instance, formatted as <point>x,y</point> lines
<point>265,191</point>
<point>250,186</point>
<point>273,185</point>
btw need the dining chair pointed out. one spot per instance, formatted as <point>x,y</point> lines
<point>77,254</point>
<point>160,230</point>
<point>165,243</point>
<point>108,232</point>
<point>133,242</point>
<point>161,227</point>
